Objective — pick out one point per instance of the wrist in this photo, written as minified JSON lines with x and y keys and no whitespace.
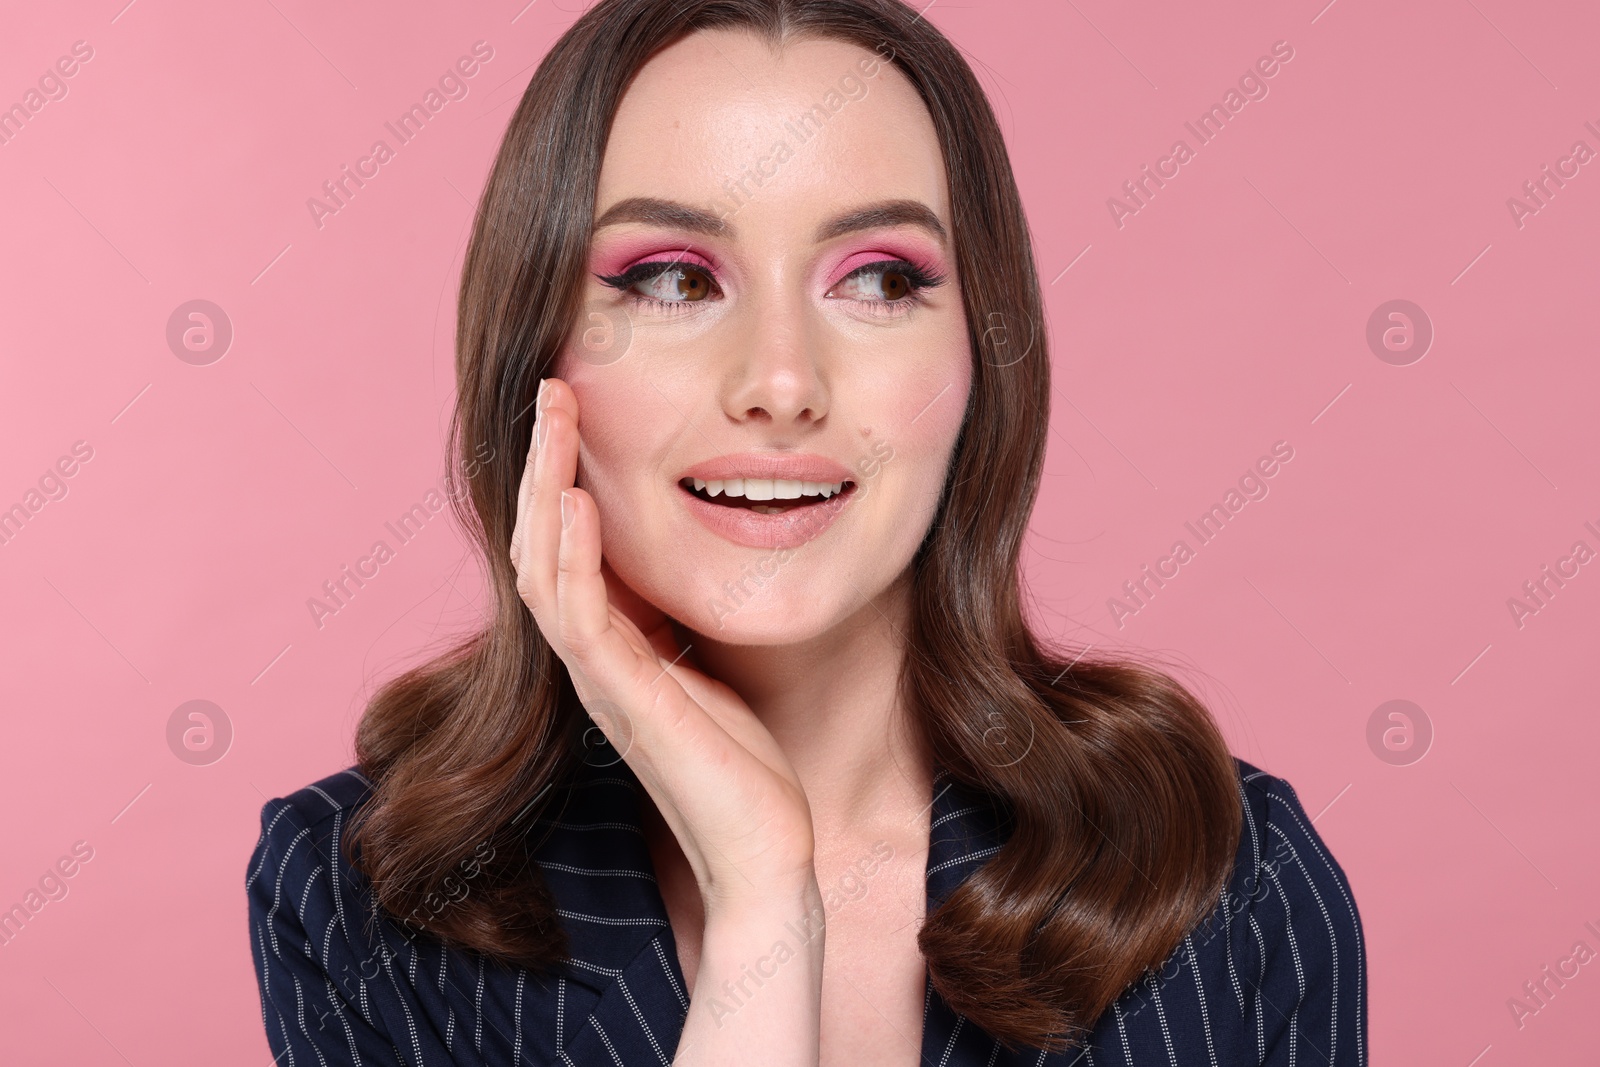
{"x":754,"y":908}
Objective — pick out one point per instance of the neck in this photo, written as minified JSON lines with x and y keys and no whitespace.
{"x":833,"y":705}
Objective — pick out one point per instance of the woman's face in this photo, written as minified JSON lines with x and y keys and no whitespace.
{"x":780,"y":311}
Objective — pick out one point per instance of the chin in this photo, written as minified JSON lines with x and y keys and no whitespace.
{"x":744,"y":607}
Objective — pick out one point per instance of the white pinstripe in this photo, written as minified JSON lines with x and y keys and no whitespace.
{"x":300,"y":1017}
{"x":949,"y":1046}
{"x":307,"y":892}
{"x":561,"y":1014}
{"x":1361,"y":1052}
{"x":1261,"y":952}
{"x":1233,"y":973}
{"x":411,"y":1024}
{"x":1333,"y":943}
{"x":650,"y":1036}
{"x":1200,"y":994}
{"x":1161,"y":1017}
{"x":264,"y":835}
{"x":477,"y":1019}
{"x":266,"y":981}
{"x":331,"y":802}
{"x":661,"y":954}
{"x":450,"y":1012}
{"x":551,"y":865}
{"x":947,"y":816}
{"x":599,"y":826}
{"x":609,"y":972}
{"x":338,"y":890}
{"x":606,"y":1040}
{"x":1127,"y":1052}
{"x":277,"y":891}
{"x":606,"y":921}
{"x":981,"y":854}
{"x":516,"y":1047}
{"x":349,"y":1034}
{"x":1299,"y":971}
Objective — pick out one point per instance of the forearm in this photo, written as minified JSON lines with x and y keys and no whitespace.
{"x":758,"y":989}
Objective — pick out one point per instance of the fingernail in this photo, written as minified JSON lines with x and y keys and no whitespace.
{"x":567,"y":511}
{"x":538,"y":398}
{"x":538,"y":435}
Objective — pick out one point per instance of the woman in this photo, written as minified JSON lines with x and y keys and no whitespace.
{"x":757,"y":760}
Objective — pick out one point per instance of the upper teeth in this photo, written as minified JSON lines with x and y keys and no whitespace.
{"x":768,"y":488}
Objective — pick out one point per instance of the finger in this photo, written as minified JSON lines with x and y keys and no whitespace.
{"x":522,"y":497}
{"x":525,"y":486}
{"x":582,"y":609}
{"x":555,"y":466}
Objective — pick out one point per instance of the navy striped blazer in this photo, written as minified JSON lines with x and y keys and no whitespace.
{"x":1275,"y":975}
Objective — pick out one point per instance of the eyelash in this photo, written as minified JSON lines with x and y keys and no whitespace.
{"x":917,"y":278}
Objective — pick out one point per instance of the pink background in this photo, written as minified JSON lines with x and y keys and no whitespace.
{"x":1229,"y":313}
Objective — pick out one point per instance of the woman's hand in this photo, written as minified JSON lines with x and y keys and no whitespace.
{"x":720,"y":781}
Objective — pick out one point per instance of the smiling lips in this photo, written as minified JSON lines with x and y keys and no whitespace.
{"x":763,"y":500}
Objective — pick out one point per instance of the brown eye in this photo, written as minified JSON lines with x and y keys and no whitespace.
{"x":692,"y":283}
{"x":895,"y":285}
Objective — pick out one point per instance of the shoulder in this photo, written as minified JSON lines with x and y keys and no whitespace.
{"x":282,"y":818}
{"x":288,"y":821}
{"x":1277,"y":965}
{"x":298,"y":870}
{"x":1299,"y":952}
{"x":1280,"y":851}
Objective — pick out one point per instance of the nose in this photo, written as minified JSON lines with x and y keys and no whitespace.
{"x":775,"y":369}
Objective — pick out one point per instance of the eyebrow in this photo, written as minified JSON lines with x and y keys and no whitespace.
{"x":659,"y":212}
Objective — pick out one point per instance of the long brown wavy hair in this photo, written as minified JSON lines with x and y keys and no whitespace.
{"x":1119,"y":791}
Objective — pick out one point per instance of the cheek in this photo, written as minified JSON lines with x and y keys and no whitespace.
{"x":616,"y":427}
{"x":921,"y":419}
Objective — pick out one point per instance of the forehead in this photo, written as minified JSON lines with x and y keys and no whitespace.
{"x":720,"y":120}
